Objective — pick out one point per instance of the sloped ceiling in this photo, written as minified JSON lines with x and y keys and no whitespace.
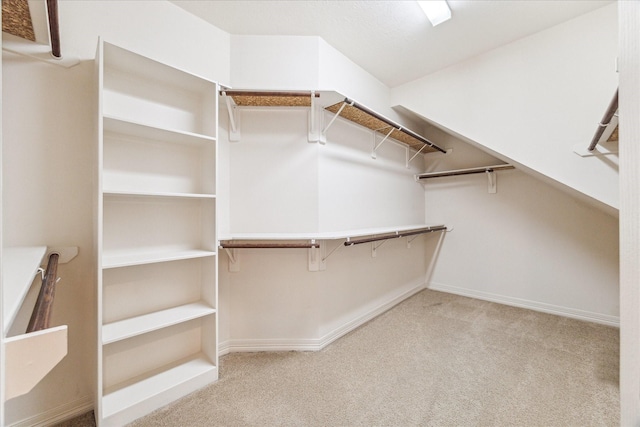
{"x":393,"y":40}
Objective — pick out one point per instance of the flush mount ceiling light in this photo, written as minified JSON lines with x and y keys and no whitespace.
{"x":436,"y":10}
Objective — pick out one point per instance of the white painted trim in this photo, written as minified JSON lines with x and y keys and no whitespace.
{"x":315,"y":344}
{"x":573,"y":313}
{"x":629,"y":105}
{"x":370,"y":315}
{"x":58,"y":414}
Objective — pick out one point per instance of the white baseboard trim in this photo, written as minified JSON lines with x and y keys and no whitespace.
{"x":573,"y":313}
{"x":364,"y":318}
{"x":58,"y":414}
{"x":316,"y":344}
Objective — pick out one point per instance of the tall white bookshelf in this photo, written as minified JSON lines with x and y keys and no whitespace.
{"x":155,"y":234}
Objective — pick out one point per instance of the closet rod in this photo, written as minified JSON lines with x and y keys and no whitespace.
{"x":41,"y":315}
{"x":225,"y":245}
{"x":263,"y":93}
{"x":469,"y":171}
{"x":606,"y":120}
{"x":395,"y":236}
{"x":54,"y":28}
{"x":395,"y":125}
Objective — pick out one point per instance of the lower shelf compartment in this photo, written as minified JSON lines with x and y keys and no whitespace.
{"x":142,"y":324}
{"x":124,"y":403}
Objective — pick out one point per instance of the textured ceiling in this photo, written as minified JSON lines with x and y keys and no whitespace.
{"x":393,"y":40}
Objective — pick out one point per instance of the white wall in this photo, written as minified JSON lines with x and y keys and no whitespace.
{"x":274,"y":173}
{"x":305,"y":63}
{"x":274,"y":62}
{"x":48,"y":163}
{"x":280,"y":183}
{"x":357,"y":191}
{"x":533,"y":100}
{"x":277,"y":182}
{"x":528,"y":245}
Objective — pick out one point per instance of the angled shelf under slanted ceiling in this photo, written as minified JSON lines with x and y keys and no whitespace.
{"x":333,"y":102}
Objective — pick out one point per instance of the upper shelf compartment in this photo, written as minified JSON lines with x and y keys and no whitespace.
{"x":333,"y":102}
{"x":171,"y":100}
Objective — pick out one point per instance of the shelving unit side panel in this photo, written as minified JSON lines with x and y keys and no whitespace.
{"x":97,"y":225}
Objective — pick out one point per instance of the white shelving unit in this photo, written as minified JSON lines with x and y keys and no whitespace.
{"x":156,"y":234}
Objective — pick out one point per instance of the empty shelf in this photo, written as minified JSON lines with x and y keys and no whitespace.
{"x":128,"y":328}
{"x":132,"y":401}
{"x":134,"y":258}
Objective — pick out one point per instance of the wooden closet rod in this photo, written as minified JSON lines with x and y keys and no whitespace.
{"x":225,"y":245}
{"x":469,"y":171}
{"x":393,"y":124}
{"x":41,"y":316}
{"x":395,"y":236}
{"x":54,"y":28}
{"x":606,"y":119}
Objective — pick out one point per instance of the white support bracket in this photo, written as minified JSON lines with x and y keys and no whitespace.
{"x":414,"y":156}
{"x":234,"y":260}
{"x":333,"y":119}
{"x":317,"y":257}
{"x":234,"y":119}
{"x":375,"y":147}
{"x":374,"y":248}
{"x":341,"y":244}
{"x":315,"y":117}
{"x":492,"y":179}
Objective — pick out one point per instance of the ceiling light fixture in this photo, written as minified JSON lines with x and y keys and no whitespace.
{"x":436,"y":10}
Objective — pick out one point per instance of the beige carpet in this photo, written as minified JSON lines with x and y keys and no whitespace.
{"x":434,"y":360}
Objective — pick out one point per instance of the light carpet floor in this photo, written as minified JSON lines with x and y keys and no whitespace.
{"x":434,"y":360}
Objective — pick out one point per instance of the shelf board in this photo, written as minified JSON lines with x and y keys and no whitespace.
{"x":153,"y":391}
{"x":128,"y":328}
{"x":329,"y":235}
{"x":20,"y":265}
{"x":141,"y":130}
{"x":125,"y":193}
{"x":120,"y":259}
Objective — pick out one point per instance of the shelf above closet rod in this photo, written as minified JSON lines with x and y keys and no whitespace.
{"x":255,"y":98}
{"x":482,"y":169}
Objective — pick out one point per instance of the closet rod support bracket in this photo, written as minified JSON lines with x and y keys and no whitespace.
{"x":234,"y":260}
{"x":375,"y":147}
{"x":315,"y":117}
{"x":234,"y":119}
{"x":492,"y":181}
{"x":317,"y":256}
